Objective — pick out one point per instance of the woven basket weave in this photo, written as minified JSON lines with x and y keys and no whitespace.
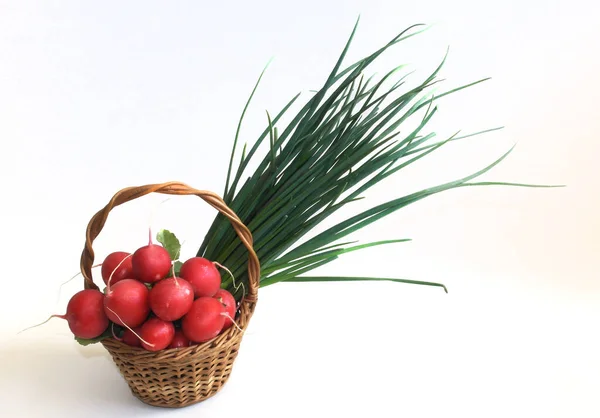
{"x":177,"y":377}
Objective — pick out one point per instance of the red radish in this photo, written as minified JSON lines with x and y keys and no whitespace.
{"x":229,"y":303}
{"x":171,"y":298}
{"x":179,"y":340}
{"x":126,"y":303}
{"x":85,"y":314}
{"x":131,"y":339}
{"x":157,"y":334}
{"x":119,"y":265}
{"x":151,"y":263}
{"x":204,"y":321}
{"x":203,"y":275}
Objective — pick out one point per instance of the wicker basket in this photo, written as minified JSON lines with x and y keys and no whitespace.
{"x":177,"y":377}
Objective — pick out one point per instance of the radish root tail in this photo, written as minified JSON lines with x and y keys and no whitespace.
{"x":236,"y":287}
{"x":113,"y":272}
{"x":127,"y":326}
{"x":71,"y":279}
{"x":178,"y":252}
{"x":226,"y":315}
{"x":42,"y":323}
{"x":174,"y":278}
{"x":151,"y":218}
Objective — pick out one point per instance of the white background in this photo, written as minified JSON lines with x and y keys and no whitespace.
{"x":96,"y":96}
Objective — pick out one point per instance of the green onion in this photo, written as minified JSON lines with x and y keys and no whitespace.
{"x":343,"y":141}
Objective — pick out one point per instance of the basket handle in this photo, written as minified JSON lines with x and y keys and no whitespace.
{"x":171,"y":188}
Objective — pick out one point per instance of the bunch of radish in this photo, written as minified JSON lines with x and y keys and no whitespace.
{"x":147,"y":304}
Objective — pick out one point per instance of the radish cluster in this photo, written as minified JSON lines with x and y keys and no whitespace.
{"x":145,"y":304}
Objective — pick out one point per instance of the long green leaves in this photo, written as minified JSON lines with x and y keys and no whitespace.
{"x":349,"y":136}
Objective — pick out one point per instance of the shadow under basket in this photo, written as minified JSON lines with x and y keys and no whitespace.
{"x":180,"y":377}
{"x":176,"y":378}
